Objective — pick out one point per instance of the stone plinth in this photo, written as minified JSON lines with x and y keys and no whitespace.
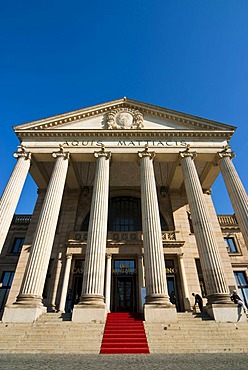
{"x":18,"y":313}
{"x":223,"y":313}
{"x":158,"y":313}
{"x":89,"y":314}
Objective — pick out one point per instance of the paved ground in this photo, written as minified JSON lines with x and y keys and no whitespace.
{"x":124,"y":362}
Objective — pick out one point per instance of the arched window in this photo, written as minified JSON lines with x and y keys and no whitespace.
{"x":124,"y":215}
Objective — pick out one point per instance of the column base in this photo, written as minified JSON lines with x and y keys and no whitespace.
{"x":187,"y":305}
{"x":18,"y":313}
{"x":160,"y":313}
{"x":92,"y":300}
{"x":89,"y":314}
{"x":226,"y":313}
{"x":219,"y":298}
{"x":158,"y":300}
{"x":90,"y":309}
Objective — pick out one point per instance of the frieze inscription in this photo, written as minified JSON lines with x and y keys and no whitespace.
{"x":125,"y":143}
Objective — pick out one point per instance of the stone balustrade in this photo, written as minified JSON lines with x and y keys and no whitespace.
{"x":127,"y":236}
{"x":21,"y":219}
{"x":227,"y":220}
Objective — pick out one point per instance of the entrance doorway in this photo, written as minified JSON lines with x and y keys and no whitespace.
{"x":124,"y":299}
{"x":173,"y":283}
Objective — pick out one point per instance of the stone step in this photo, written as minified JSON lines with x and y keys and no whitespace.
{"x":51,"y":334}
{"x":198,"y":350}
{"x":191,"y":334}
{"x":51,"y":351}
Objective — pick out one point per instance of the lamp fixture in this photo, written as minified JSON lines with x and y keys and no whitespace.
{"x":85,"y":191}
{"x":163,"y":191}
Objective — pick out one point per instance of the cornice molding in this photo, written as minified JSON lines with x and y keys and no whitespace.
{"x":60,"y":120}
{"x":125,"y":134}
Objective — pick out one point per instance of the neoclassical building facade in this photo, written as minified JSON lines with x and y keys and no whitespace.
{"x":124,"y":219}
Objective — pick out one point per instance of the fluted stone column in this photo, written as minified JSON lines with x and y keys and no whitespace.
{"x":91,"y":305}
{"x":235,"y":190}
{"x":29,"y":300}
{"x":155,"y":276}
{"x":65,"y":282}
{"x":185,"y":288}
{"x":217,"y":290}
{"x":108,"y":281}
{"x":12,"y":192}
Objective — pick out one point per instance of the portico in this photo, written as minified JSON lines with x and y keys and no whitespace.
{"x":116,"y":184}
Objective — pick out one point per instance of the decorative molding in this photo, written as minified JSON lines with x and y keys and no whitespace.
{"x":22,"y":153}
{"x":179,"y":134}
{"x":146,"y":153}
{"x":125,"y":238}
{"x":21,"y":219}
{"x":207,"y":191}
{"x":226,"y":152}
{"x":102,"y":153}
{"x":228,"y":222}
{"x":124,"y":119}
{"x":61,"y":153}
{"x":187,"y":153}
{"x":198,"y":123}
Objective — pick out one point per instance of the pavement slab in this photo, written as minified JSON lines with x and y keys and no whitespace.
{"x":206,"y":361}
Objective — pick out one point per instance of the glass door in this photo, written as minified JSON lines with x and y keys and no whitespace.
{"x":124,"y":286}
{"x":125,"y":294}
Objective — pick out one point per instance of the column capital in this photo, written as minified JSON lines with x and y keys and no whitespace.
{"x":186,"y":153}
{"x":108,"y":256}
{"x":69,"y":256}
{"x":225,"y":153}
{"x":102,"y":153}
{"x":21,"y":152}
{"x":61,"y":153}
{"x":207,"y":191}
{"x":146,"y":153}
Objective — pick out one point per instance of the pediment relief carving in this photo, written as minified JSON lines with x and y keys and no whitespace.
{"x":125,"y":115}
{"x":124,"y":118}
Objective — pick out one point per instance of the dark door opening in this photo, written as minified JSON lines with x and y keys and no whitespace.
{"x":125,"y":294}
{"x":124,"y":298}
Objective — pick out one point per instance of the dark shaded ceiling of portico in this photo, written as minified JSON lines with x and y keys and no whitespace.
{"x":123,"y":174}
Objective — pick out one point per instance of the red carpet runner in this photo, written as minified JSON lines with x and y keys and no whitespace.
{"x":124,"y":333}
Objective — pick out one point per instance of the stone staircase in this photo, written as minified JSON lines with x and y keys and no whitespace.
{"x":197,"y":334}
{"x":55,"y":333}
{"x":51,"y":333}
{"x":124,"y":333}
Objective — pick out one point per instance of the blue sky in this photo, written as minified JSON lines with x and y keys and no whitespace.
{"x":186,"y":55}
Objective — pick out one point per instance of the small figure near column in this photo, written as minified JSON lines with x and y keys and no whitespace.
{"x":237,"y":300}
{"x":68,"y":303}
{"x":198,"y":301}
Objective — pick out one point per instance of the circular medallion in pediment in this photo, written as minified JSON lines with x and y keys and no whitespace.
{"x":124,"y":119}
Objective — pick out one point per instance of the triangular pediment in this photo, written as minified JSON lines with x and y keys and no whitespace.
{"x":123,"y":114}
